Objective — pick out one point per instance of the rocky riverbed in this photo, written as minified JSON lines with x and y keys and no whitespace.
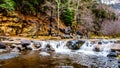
{"x":82,"y":53}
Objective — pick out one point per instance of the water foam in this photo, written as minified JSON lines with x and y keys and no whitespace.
{"x":87,"y":47}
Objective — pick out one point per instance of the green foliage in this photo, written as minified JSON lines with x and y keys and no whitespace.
{"x":64,"y":1}
{"x":8,"y":5}
{"x":103,"y":14}
{"x":28,"y":6}
{"x":67,"y":16}
{"x":86,"y":0}
{"x":100,"y":13}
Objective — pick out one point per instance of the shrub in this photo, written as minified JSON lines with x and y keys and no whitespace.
{"x":8,"y":5}
{"x":67,"y":16}
{"x":28,"y":6}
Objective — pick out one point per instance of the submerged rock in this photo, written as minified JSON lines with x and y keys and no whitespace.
{"x":75,"y":44}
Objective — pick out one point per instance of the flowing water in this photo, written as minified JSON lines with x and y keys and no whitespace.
{"x":116,"y":6}
{"x":63,"y":57}
{"x":109,"y":1}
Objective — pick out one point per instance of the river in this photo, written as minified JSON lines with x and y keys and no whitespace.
{"x":63,"y":56}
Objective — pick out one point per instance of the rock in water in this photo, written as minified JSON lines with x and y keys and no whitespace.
{"x":25,"y":43}
{"x":13,"y":46}
{"x":31,"y":47}
{"x":44,"y":54}
{"x":66,"y":37}
{"x":75,"y":44}
{"x":15,"y":50}
{"x":49,"y":48}
{"x":2,"y":45}
{"x":112,"y":54}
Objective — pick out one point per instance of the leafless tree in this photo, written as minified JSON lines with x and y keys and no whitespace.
{"x":110,"y":27}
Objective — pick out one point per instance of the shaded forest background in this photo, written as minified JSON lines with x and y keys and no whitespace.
{"x":58,"y":17}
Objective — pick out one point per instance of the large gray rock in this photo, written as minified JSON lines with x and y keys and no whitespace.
{"x":2,"y":45}
{"x":25,"y":43}
{"x":75,"y":44}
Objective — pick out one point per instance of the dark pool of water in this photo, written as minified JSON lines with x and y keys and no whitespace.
{"x":32,"y":59}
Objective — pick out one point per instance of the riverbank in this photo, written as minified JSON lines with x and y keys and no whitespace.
{"x":57,"y":38}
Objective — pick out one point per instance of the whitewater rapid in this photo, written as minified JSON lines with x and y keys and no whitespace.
{"x":86,"y":48}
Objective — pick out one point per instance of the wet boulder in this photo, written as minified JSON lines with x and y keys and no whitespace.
{"x":31,"y":47}
{"x":49,"y":48}
{"x":2,"y":45}
{"x":25,"y":43}
{"x":13,"y":46}
{"x":99,"y":42}
{"x":37,"y":44}
{"x":96,"y":49}
{"x":112,"y":54}
{"x":75,"y":44}
{"x":16,"y":49}
{"x":20,"y":47}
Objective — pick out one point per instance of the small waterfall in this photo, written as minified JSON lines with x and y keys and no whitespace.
{"x":103,"y":48}
{"x":58,"y":46}
{"x":88,"y":47}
